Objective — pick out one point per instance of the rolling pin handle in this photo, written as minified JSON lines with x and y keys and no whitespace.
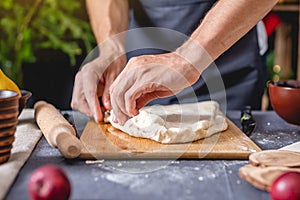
{"x":57,"y":130}
{"x":68,"y":145}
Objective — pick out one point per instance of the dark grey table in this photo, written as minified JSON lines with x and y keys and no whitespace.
{"x":158,"y":179}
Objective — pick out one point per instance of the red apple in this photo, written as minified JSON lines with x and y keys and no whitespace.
{"x":286,"y":187}
{"x":49,"y":182}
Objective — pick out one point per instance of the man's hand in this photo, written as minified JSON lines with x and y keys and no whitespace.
{"x":149,"y":77}
{"x":109,"y":19}
{"x":93,"y":81}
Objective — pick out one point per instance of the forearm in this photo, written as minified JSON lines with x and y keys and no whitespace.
{"x":108,"y":18}
{"x":224,"y":25}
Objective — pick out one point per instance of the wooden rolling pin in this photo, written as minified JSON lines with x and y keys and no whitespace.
{"x":57,"y":130}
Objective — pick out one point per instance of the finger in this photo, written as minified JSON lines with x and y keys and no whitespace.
{"x":130,"y":100}
{"x":117,"y":101}
{"x":76,"y":90}
{"x":110,"y":76}
{"x":78,"y":100}
{"x":137,"y":97}
{"x":103,"y":97}
{"x":119,"y":116}
{"x":100,"y":89}
{"x":106,"y":95}
{"x":90,"y":92}
{"x":146,"y":98}
{"x":84,"y":108}
{"x":106,"y":99}
{"x":81,"y":105}
{"x":133,"y":94}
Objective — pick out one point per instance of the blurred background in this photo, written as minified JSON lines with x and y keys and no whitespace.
{"x":44,"y":42}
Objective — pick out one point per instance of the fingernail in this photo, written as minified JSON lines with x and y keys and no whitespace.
{"x":134,"y":113}
{"x":96,"y":119}
{"x":114,"y":119}
{"x":107,"y":104}
{"x":123,"y":120}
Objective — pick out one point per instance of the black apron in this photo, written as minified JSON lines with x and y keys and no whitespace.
{"x":240,"y":70}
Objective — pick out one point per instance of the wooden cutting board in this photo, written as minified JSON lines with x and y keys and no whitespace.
{"x":102,"y":141}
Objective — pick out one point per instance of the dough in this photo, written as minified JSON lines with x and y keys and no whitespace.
{"x":275,"y":158}
{"x":292,"y":147}
{"x":263,"y":177}
{"x":179,"y":123}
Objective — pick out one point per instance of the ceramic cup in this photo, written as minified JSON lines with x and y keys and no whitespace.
{"x":9,"y":111}
{"x":285,"y":100}
{"x":23,"y":100}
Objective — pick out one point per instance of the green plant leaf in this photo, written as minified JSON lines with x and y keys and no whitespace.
{"x":28,"y":26}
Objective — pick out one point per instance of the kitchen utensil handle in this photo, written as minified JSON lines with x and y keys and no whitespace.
{"x":57,"y":130}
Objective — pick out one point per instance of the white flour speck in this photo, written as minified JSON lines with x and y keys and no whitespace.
{"x":119,"y":164}
{"x":94,"y":161}
{"x":175,"y":162}
{"x":244,"y":149}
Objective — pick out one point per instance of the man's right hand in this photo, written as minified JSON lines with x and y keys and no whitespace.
{"x":93,"y":81}
{"x":109,"y":19}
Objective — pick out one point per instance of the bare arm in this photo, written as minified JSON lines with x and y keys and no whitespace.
{"x":108,"y":19}
{"x":225,"y":24}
